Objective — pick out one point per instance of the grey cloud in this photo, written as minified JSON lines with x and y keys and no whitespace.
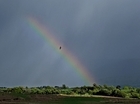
{"x":103,"y":35}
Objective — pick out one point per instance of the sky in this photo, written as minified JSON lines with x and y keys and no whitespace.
{"x":102,"y":35}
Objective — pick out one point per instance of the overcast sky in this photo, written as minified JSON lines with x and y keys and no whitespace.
{"x":104,"y":35}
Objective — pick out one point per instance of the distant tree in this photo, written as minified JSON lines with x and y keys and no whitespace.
{"x":89,"y":88}
{"x":125,"y":92}
{"x":48,"y":87}
{"x":57,"y":87}
{"x":90,"y":92}
{"x":17,"y":90}
{"x":95,"y":91}
{"x":138,"y":90}
{"x":33,"y":90}
{"x":104,"y":91}
{"x":118,"y":87}
{"x":64,"y":86}
{"x":119,"y":93}
{"x":94,"y":85}
{"x":135,"y":95}
{"x":105,"y":86}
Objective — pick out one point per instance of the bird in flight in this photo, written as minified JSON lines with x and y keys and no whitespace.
{"x":60,"y":47}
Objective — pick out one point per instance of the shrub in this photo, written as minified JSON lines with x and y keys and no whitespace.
{"x":105,"y":92}
{"x":135,"y":95}
{"x":95,"y":91}
{"x":119,"y":93}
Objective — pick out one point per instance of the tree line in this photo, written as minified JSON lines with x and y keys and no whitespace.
{"x":116,"y":91}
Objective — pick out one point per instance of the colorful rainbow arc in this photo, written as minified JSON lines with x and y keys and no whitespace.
{"x":71,"y":59}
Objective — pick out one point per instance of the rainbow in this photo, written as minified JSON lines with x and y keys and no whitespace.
{"x":41,"y":30}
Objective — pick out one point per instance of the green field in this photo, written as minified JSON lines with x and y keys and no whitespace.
{"x":61,"y":99}
{"x":94,"y":100}
{"x":78,"y":100}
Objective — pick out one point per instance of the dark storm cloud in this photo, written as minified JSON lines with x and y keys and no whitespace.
{"x":103,"y":35}
{"x":8,"y":10}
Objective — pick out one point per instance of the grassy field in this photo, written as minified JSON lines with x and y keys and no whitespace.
{"x":94,"y":100}
{"x":61,"y":99}
{"x":78,"y":100}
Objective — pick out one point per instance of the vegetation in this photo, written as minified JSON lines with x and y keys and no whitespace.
{"x":124,"y":92}
{"x":79,"y":100}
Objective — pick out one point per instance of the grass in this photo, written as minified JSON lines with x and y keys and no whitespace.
{"x":93,"y":100}
{"x":62,"y":99}
{"x":78,"y":100}
{"x":24,"y":96}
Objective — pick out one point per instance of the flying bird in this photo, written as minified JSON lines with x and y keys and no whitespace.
{"x":60,"y":47}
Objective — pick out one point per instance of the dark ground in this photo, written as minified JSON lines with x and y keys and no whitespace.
{"x":59,"y":99}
